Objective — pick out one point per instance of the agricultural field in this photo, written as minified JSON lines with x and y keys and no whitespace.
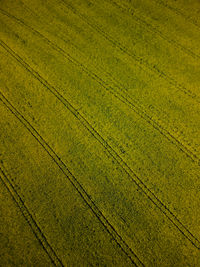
{"x":99,"y":133}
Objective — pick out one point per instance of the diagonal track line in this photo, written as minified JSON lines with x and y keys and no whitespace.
{"x":75,"y":183}
{"x":125,"y":98}
{"x":148,"y":193}
{"x":140,"y":61}
{"x":148,"y":26}
{"x":177,"y":12}
{"x":29,"y":218}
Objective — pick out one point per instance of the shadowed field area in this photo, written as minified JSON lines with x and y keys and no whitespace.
{"x":99,"y":133}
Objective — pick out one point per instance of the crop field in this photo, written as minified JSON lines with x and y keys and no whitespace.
{"x":99,"y":133}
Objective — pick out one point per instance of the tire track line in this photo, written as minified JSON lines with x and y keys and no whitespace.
{"x":132,"y":12}
{"x":177,"y":12}
{"x":164,"y":127}
{"x":126,"y":99}
{"x":75,"y":183}
{"x":133,"y":177}
{"x":28,"y":217}
{"x":140,"y":61}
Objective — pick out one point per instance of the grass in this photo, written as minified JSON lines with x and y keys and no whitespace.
{"x":100,"y":133}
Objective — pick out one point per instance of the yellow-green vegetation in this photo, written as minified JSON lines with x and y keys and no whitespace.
{"x":99,"y":133}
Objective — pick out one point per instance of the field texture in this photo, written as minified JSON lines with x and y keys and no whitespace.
{"x":99,"y":133}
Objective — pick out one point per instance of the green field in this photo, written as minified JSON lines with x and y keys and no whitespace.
{"x":99,"y":133}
